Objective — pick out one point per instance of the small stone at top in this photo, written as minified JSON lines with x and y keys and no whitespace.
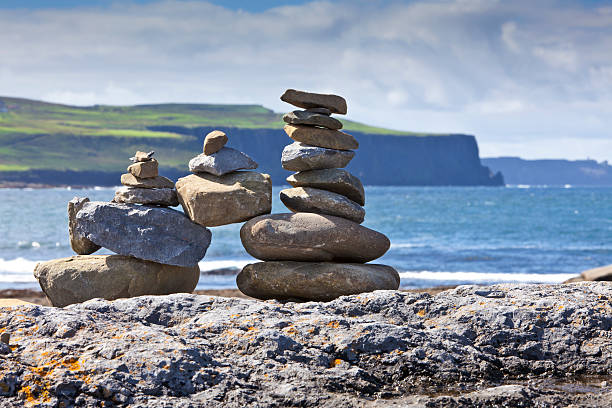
{"x":142,"y":156}
{"x":214,"y":141}
{"x":307,"y":100}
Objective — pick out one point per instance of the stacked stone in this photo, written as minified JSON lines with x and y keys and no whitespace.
{"x":218,"y":193}
{"x":143,"y":184}
{"x":158,"y":248}
{"x":319,"y":251}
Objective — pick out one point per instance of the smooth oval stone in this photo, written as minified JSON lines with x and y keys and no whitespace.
{"x":314,"y":136}
{"x":80,"y":278}
{"x":307,"y":100}
{"x":144,"y":169}
{"x":301,"y":157}
{"x":337,"y":180}
{"x":314,"y":281}
{"x":214,"y":141}
{"x":130,"y":180}
{"x":147,"y":196}
{"x":308,"y":199}
{"x":312,"y":119}
{"x":312,"y":238}
{"x":78,"y":242}
{"x":224,"y":161}
{"x":212,"y":201}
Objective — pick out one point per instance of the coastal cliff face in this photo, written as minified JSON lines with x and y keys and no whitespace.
{"x":382,"y":159}
{"x":503,"y":345}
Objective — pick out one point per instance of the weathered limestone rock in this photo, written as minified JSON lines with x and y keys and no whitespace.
{"x":332,"y":139}
{"x":314,"y":200}
{"x":312,"y":119}
{"x":152,"y":233}
{"x":79,"y":278}
{"x":211,"y":201}
{"x":79,"y":243}
{"x":603,"y":273}
{"x":306,"y":100}
{"x":224,"y":161}
{"x":148,"y":196}
{"x":301,"y":157}
{"x":214,"y":141}
{"x":144,"y":169}
{"x":311,"y":237}
{"x":337,"y":180}
{"x":130,"y":180}
{"x":318,"y":281}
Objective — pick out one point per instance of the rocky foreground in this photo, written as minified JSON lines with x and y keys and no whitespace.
{"x":503,"y":345}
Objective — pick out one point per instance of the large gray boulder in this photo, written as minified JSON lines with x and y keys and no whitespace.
{"x":308,"y":199}
{"x":319,"y":281}
{"x":498,"y":346}
{"x":312,"y":119}
{"x":300,"y":157}
{"x":151,"y":196}
{"x":79,"y":278}
{"x":307,"y":100}
{"x":78,"y":242}
{"x":337,"y":180}
{"x":312,"y":238}
{"x":152,"y":233}
{"x":224,"y":161}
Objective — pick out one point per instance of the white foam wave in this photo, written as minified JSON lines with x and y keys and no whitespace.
{"x":222,"y":264}
{"x":480,"y":277}
{"x":17,"y":270}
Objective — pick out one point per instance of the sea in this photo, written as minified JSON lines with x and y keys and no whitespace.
{"x":439,"y":235}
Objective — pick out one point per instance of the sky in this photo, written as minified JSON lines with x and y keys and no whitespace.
{"x":527,"y":78}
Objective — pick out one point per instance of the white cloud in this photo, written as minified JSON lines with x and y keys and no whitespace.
{"x":519,"y":75}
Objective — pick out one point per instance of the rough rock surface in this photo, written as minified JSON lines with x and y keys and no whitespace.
{"x":321,"y":281}
{"x":155,"y":234}
{"x":337,"y":180}
{"x":312,"y":119}
{"x":603,"y":273}
{"x":306,"y":100}
{"x":224,"y":161}
{"x":79,"y":278}
{"x":308,"y":199}
{"x":130,"y":180}
{"x":312,"y":238}
{"x":214,"y":141}
{"x":300,"y":157}
{"x":331,"y":139}
{"x":503,"y":345}
{"x":144,"y":169}
{"x":79,"y":243}
{"x":152,"y":196}
{"x":212,"y":201}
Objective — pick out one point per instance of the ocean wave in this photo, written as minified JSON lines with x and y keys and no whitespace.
{"x":17,"y":270}
{"x":481,"y":277}
{"x":223,"y":263}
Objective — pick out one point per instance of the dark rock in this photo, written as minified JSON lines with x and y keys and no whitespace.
{"x":314,"y":200}
{"x":336,"y":180}
{"x":307,"y":100}
{"x":311,"y":237}
{"x":80,"y":278}
{"x":312,"y":119}
{"x":224,"y":161}
{"x":300,"y":157}
{"x":79,"y":243}
{"x":314,"y":136}
{"x":319,"y":281}
{"x":149,"y":196}
{"x":151,"y":233}
{"x":130,"y":180}
{"x":321,"y":111}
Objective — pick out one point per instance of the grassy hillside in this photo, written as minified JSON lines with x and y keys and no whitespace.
{"x":40,"y":135}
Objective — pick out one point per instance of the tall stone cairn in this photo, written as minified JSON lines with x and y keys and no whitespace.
{"x":319,"y":251}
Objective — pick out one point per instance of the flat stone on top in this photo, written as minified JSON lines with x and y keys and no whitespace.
{"x":306,"y":100}
{"x":314,"y":136}
{"x":222,"y":162}
{"x":312,"y":119}
{"x":300,"y":157}
{"x":214,"y":141}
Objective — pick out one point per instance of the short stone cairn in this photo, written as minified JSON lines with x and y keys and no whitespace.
{"x":158,"y":248}
{"x":318,"y":252}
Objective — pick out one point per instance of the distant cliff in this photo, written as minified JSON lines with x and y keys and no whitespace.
{"x":552,"y":172}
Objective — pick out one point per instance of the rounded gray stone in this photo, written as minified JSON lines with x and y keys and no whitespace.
{"x":308,"y":199}
{"x":336,"y":180}
{"x":147,"y":196}
{"x":226,"y":160}
{"x":302,"y":157}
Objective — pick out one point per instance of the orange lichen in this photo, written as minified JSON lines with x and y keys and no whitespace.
{"x":421,"y":313}
{"x":333,"y":324}
{"x":335,"y":363}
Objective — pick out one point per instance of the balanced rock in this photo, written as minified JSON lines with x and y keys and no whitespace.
{"x":308,"y":199}
{"x":332,"y":139}
{"x":300,"y":157}
{"x":312,"y":119}
{"x":235,"y":197}
{"x":79,"y":278}
{"x":130,"y":180}
{"x":152,"y":233}
{"x":317,"y":281}
{"x":337,"y":180}
{"x":79,"y":243}
{"x":142,"y":156}
{"x":312,"y":238}
{"x":147,"y":196}
{"x":301,"y":99}
{"x":214,"y":141}
{"x":144,"y":169}
{"x":321,"y":111}
{"x":224,"y":161}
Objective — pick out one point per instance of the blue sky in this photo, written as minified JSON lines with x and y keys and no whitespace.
{"x":528,"y":78}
